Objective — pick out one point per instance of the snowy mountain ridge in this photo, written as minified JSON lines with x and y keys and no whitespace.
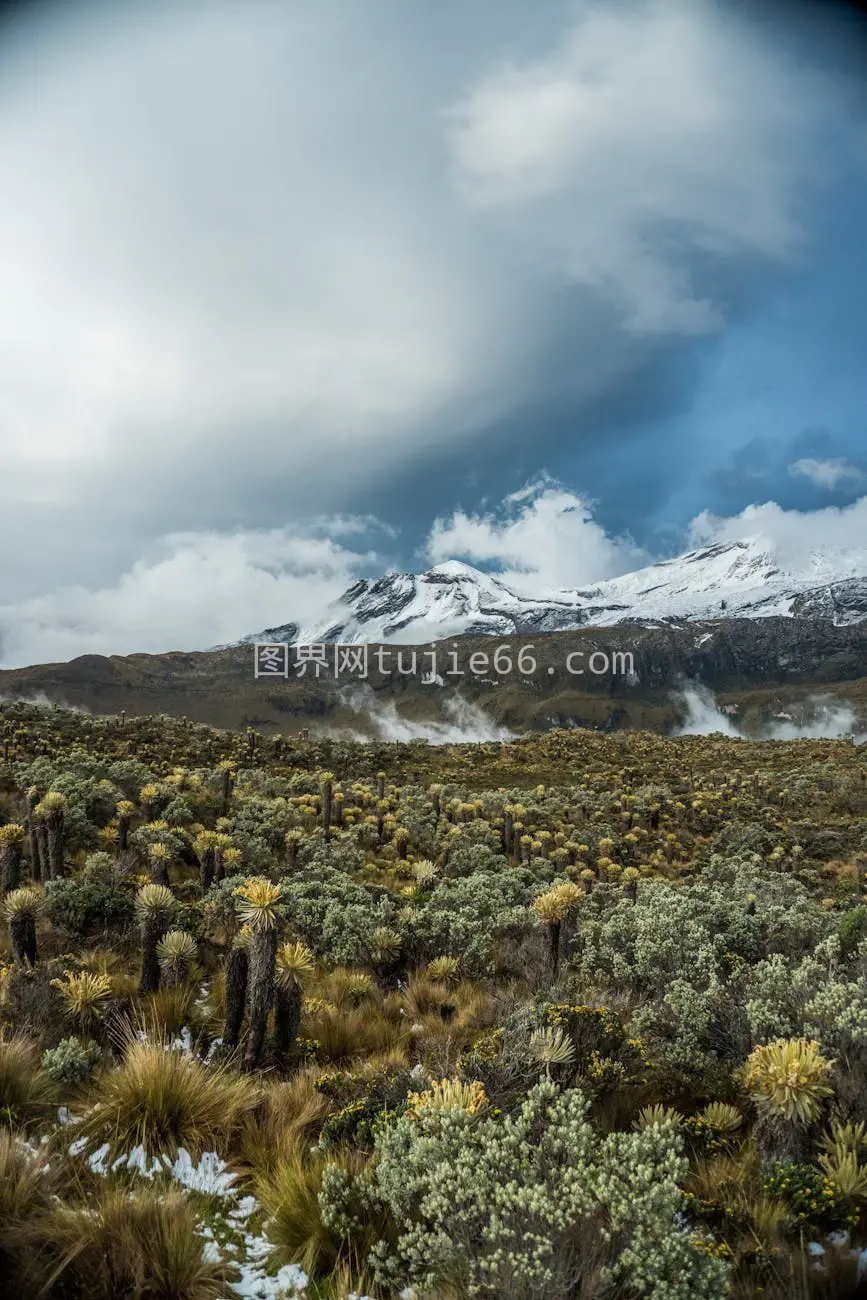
{"x":740,"y":579}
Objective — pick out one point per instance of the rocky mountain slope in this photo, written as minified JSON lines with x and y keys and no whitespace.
{"x":756,"y":667}
{"x":736,"y":579}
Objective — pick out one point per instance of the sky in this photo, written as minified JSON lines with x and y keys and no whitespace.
{"x":292,"y":293}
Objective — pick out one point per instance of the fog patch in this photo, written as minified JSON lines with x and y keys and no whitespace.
{"x":463,"y":721}
{"x":703,"y":717}
{"x":39,"y":700}
{"x":826,"y":719}
{"x":831,"y":720}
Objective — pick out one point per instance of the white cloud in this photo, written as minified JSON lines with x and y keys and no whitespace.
{"x":199,"y":590}
{"x":820,"y":718}
{"x":542,"y":536}
{"x":827,"y":719}
{"x":702,"y":715}
{"x":460,"y":721}
{"x":231,"y":255}
{"x":218,"y":242}
{"x":827,"y":473}
{"x":834,"y":538}
{"x":546,"y":536}
{"x":256,"y":258}
{"x":195,"y":590}
{"x":652,"y":132}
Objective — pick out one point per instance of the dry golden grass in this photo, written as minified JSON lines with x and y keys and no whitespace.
{"x":288,"y":1194}
{"x":27,"y":1095}
{"x":163,"y":1099}
{"x":25,"y":1186}
{"x":347,"y":988}
{"x":422,"y":997}
{"x":288,"y":1116}
{"x":344,"y":1035}
{"x":289,"y":1197}
{"x":145,"y":1244}
{"x":167,"y":1011}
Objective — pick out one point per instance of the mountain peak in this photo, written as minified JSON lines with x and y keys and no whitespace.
{"x":743,"y":577}
{"x":453,"y":569}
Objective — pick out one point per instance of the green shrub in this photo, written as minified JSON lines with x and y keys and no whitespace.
{"x":334,"y":915}
{"x":852,"y":929}
{"x":532,"y":1204}
{"x":466,"y":917}
{"x":85,"y":907}
{"x":811,"y":1198}
{"x":71,"y":1061}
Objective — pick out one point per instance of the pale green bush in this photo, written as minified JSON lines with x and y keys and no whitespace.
{"x":531,"y":1205}
{"x":465,"y":917}
{"x":71,"y":1061}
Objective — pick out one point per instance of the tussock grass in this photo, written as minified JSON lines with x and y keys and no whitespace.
{"x":347,"y":989}
{"x":168,"y":1010}
{"x":27,"y":1094}
{"x":421,"y":997}
{"x":26,"y":1187}
{"x":343,"y":1035}
{"x":289,"y":1196}
{"x":288,"y":1116}
{"x":144,"y":1245}
{"x":347,"y":1281}
{"x":162,"y":1100}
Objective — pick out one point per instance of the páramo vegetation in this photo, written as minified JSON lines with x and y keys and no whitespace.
{"x":574,"y":1016}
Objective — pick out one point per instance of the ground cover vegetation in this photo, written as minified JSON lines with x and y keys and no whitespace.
{"x":573,"y":1015}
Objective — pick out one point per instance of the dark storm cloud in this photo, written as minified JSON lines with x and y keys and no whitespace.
{"x":261,"y":263}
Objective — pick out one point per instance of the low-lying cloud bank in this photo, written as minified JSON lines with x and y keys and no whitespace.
{"x":196,"y":590}
{"x":463,"y":722}
{"x":828,"y":719}
{"x":40,"y":700}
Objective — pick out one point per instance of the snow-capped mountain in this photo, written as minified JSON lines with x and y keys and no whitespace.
{"x":734,"y":579}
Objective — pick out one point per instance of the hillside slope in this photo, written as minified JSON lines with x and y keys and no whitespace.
{"x":761,"y":664}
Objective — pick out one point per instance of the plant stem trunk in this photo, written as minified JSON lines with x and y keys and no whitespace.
{"x":22,"y":932}
{"x":10,"y":868}
{"x":151,"y":933}
{"x":263,"y":954}
{"x":287,"y":1018}
{"x":236,"y":995}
